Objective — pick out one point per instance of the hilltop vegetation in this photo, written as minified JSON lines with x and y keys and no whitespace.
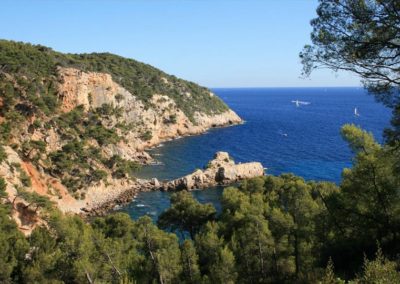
{"x":37,"y":63}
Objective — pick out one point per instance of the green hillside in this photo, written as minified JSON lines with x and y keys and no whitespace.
{"x":36,"y":63}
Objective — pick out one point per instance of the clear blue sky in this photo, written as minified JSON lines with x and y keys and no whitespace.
{"x":217,"y":43}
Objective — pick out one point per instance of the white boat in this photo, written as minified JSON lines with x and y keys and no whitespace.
{"x":356,"y":112}
{"x":298,"y":103}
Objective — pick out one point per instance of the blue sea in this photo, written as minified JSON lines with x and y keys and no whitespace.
{"x":304,"y":140}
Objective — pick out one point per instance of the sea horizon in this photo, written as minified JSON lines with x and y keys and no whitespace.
{"x":291,"y":87}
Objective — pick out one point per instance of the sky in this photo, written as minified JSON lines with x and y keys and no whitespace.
{"x":216,"y":43}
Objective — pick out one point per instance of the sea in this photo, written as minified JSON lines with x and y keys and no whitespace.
{"x":288,"y":130}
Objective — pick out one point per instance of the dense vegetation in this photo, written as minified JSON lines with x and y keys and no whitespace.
{"x":77,"y":162}
{"x":38,"y":65}
{"x":270,"y":230}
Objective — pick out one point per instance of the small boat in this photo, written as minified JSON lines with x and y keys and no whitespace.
{"x":298,"y":103}
{"x":282,"y":133}
{"x":356,"y":112}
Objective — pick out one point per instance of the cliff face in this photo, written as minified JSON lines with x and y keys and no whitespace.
{"x":161,"y":118}
{"x":74,"y":127}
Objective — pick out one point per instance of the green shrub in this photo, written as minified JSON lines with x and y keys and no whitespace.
{"x":5,"y":131}
{"x":3,"y":154}
{"x":38,"y":145}
{"x":25,"y":179}
{"x":36,"y":200}
{"x":3,"y":187}
{"x":119,"y":98}
{"x":29,"y":146}
{"x":72,"y":184}
{"x":102,"y":135}
{"x":105,"y":110}
{"x":121,"y":167}
{"x":171,"y":119}
{"x":37,"y":123}
{"x":146,"y":136}
{"x":98,"y":175}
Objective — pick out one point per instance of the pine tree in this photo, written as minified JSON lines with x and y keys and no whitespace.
{"x":223,"y":270}
{"x":329,"y":277}
{"x":186,"y":214}
{"x":380,"y":270}
{"x":162,"y":261}
{"x":190,"y":259}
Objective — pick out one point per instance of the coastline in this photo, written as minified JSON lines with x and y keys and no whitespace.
{"x":220,"y":171}
{"x":98,"y":204}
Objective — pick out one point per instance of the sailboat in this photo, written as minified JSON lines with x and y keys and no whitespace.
{"x":356,"y":112}
{"x":298,"y":103}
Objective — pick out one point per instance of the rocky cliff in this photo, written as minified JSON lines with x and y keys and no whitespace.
{"x":162,"y":119}
{"x":75,"y":127}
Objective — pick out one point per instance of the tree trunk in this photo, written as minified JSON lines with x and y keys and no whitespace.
{"x":275,"y":262}
{"x":189,"y":263}
{"x":296,"y":249}
{"x":153,"y":258}
{"x":260,"y":252}
{"x":296,"y":254}
{"x":89,"y":279}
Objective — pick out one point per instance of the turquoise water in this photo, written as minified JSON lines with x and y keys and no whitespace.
{"x":304,"y":140}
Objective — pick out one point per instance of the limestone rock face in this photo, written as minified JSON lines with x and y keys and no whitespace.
{"x":219,"y":171}
{"x":93,"y":89}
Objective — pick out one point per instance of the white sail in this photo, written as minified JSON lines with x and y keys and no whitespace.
{"x":298,"y":103}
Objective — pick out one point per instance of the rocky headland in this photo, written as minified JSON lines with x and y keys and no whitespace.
{"x":75,"y":127}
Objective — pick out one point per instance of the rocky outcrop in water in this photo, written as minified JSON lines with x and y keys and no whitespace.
{"x":221,"y":170}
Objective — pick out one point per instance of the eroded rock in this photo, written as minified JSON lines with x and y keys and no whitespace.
{"x":221,"y":170}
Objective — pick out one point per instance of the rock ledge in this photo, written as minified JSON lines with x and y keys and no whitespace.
{"x":221,"y":170}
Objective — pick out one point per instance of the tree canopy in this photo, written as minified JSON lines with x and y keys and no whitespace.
{"x":186,"y":214}
{"x":362,"y":37}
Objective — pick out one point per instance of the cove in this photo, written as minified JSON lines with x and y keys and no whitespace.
{"x":284,"y":137}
